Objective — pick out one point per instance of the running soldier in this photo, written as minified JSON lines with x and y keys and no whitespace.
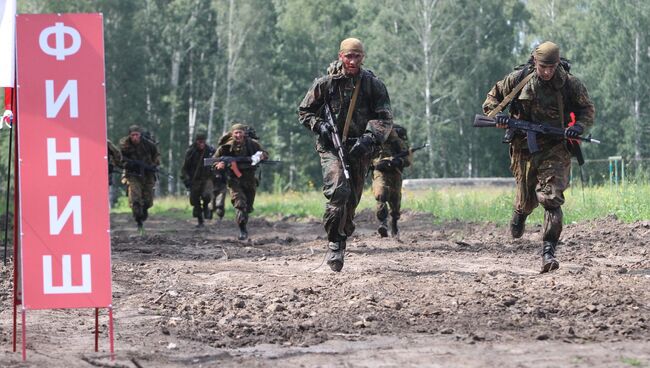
{"x":240,"y":175}
{"x":198,"y":179}
{"x":547,"y":94}
{"x":387,"y":179}
{"x":141,"y":160}
{"x":360,"y":107}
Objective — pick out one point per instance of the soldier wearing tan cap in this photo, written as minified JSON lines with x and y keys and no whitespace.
{"x":362,"y":114}
{"x":547,"y":94}
{"x":240,"y":178}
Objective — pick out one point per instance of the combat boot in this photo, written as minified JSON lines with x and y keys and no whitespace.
{"x":200,"y":224}
{"x":517,"y":224}
{"x":549,"y":263}
{"x":243,"y":233}
{"x":207,"y":214}
{"x":394,"y":230}
{"x":336,"y":255}
{"x":140,"y":226}
{"x":220,"y":212}
{"x":383,"y":228}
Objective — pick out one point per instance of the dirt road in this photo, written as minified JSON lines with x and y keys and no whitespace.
{"x":452,"y":295}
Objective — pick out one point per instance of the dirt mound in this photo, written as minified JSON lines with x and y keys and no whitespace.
{"x":180,"y":292}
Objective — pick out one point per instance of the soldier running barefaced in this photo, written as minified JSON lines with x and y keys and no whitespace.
{"x":198,"y":179}
{"x":548,"y":96}
{"x":243,"y":187}
{"x":360,"y":107}
{"x":387,"y":179}
{"x":140,"y":161}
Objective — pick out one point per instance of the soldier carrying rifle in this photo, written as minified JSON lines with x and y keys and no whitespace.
{"x":243,"y":183}
{"x":141,"y":159}
{"x":394,"y":156}
{"x":349,"y":110}
{"x":543,"y":92}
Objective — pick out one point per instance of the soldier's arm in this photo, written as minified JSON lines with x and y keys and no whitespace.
{"x":581,"y":104}
{"x":381,"y":122}
{"x":185,"y":170}
{"x":258,"y":147}
{"x":114,"y":154}
{"x":310,"y":107}
{"x":125,"y":149}
{"x":500,"y":90}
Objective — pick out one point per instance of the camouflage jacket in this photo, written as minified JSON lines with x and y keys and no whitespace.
{"x":539,"y":100}
{"x":145,"y":151}
{"x":193,"y":169}
{"x":372,"y":106}
{"x":396,"y":143}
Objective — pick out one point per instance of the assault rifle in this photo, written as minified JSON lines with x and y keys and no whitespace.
{"x":533,"y":129}
{"x":232,"y":161}
{"x":405,"y":153}
{"x":140,"y":168}
{"x":387,"y":160}
{"x":337,"y":141}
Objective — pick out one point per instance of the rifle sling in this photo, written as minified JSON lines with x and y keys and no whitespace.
{"x":353,"y":103}
{"x":510,"y":96}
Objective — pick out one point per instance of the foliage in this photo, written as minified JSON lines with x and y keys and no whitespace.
{"x":176,"y":66}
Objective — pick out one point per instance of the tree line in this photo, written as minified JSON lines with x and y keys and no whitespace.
{"x":179,"y":66}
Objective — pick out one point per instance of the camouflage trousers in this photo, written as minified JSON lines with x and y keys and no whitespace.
{"x":387,"y":189}
{"x":343,"y":195}
{"x":219,"y":198}
{"x":201,"y":194}
{"x":140,"y":190}
{"x":541,"y":179}
{"x":242,"y":195}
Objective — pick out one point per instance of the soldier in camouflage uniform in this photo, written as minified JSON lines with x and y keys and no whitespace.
{"x":548,"y":98}
{"x":371,"y":122}
{"x":198,"y":178}
{"x":243,"y":188}
{"x":141,"y":158}
{"x":387,"y":179}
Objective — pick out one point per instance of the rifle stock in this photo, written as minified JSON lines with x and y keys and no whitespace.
{"x":405,"y":153}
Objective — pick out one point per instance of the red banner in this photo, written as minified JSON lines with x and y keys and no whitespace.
{"x":63,"y":170}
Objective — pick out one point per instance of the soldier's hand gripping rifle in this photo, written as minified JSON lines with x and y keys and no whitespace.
{"x":533,"y":129}
{"x":140,"y":168}
{"x":336,"y":140}
{"x":232,"y":161}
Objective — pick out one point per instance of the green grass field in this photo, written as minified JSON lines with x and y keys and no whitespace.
{"x":628,"y":203}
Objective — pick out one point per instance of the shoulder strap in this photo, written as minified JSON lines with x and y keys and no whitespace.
{"x":510,"y":96}
{"x":353,"y":102}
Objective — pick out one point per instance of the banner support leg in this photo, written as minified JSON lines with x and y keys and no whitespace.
{"x":15,"y":323}
{"x":24,"y":329}
{"x":96,"y":330}
{"x":110,"y":331}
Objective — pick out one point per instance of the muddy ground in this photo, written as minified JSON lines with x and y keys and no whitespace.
{"x":446,"y":295}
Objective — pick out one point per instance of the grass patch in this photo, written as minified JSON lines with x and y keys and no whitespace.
{"x":479,"y":204}
{"x":633,"y":362}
